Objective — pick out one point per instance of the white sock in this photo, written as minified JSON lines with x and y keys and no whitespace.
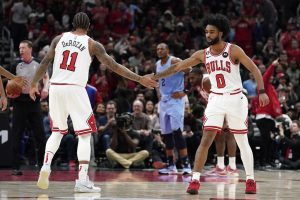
{"x":52,"y":146}
{"x":196,"y":176}
{"x":220,"y":162}
{"x":47,"y":161}
{"x":232,"y":163}
{"x":83,"y":170}
{"x":246,"y":154}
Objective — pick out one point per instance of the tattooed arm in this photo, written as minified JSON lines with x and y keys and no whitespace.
{"x":195,"y":59}
{"x":6,"y":73}
{"x":98,"y":50}
{"x":40,"y":73}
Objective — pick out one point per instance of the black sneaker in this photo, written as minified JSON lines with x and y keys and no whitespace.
{"x":17,"y":172}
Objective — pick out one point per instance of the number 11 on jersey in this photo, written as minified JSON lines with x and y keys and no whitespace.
{"x":66,"y":55}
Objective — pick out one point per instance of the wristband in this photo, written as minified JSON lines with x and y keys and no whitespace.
{"x":261,"y":91}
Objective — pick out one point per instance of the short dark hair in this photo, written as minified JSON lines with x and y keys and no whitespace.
{"x":29,"y":43}
{"x":81,"y":20}
{"x":196,"y":70}
{"x":218,"y":20}
{"x":111,"y":102}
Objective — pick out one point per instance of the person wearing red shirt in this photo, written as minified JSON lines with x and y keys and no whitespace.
{"x":265,"y":116}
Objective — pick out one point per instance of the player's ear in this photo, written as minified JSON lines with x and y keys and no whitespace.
{"x":221,"y":34}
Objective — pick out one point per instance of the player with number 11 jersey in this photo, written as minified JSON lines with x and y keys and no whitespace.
{"x":72,"y":60}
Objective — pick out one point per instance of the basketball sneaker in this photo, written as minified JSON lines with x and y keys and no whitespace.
{"x":250,"y":186}
{"x":232,"y":172}
{"x":194,"y":187}
{"x":86,"y":186}
{"x":216,"y":171}
{"x":171,"y":169}
{"x":43,"y":181}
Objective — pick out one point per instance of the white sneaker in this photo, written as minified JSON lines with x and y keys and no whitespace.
{"x":43,"y":181}
{"x":86,"y":186}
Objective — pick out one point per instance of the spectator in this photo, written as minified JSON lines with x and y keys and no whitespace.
{"x":152,"y":115}
{"x":250,"y":86}
{"x":120,"y":19}
{"x":142,"y":125}
{"x":291,"y":155}
{"x":20,"y":13}
{"x":105,"y":126}
{"x":124,"y":142}
{"x":265,"y":118}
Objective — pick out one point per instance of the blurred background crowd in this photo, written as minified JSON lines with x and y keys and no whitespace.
{"x":130,"y":30}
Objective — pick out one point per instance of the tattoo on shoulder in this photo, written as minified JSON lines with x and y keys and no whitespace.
{"x":98,"y":49}
{"x":55,"y":41}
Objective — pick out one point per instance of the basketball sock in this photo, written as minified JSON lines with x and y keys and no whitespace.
{"x":170,"y":160}
{"x":246,"y":154}
{"x":185,"y":162}
{"x":83,"y":170}
{"x":84,"y":147}
{"x":196,"y":176}
{"x":220,"y":162}
{"x":232,"y":163}
{"x":52,"y":146}
{"x":47,"y":161}
{"x":84,"y":154}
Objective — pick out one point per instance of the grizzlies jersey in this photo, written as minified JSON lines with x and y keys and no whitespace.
{"x":72,"y":60}
{"x":224,"y":74}
{"x":170,"y":84}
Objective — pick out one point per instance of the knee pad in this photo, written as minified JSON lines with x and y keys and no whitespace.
{"x":180,"y":142}
{"x":169,"y":141}
{"x":84,"y":147}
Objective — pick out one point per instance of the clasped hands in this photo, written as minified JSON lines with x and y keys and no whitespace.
{"x":148,"y":81}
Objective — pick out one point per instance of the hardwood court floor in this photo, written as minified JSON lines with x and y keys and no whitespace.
{"x":141,"y":185}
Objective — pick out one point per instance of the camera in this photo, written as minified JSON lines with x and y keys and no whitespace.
{"x":124,"y":120}
{"x":156,"y":131}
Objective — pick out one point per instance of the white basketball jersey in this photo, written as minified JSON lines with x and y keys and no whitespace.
{"x":224,"y":75}
{"x":72,"y":60}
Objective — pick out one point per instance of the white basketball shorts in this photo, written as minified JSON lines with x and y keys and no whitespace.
{"x":73,"y":100}
{"x":233,"y":107}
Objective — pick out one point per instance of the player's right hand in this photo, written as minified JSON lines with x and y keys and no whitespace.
{"x":148,"y":82}
{"x":263,"y":100}
{"x":33,"y":91}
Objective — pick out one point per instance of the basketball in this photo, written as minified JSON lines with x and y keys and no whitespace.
{"x":13,"y":88}
{"x":206,"y":84}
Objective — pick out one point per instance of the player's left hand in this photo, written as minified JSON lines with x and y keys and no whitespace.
{"x":33,"y":91}
{"x":3,"y":103}
{"x":263,"y":100}
{"x":148,"y":82}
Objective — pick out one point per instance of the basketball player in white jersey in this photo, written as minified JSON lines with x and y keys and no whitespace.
{"x":72,"y":53}
{"x":222,"y":61}
{"x":201,"y":83}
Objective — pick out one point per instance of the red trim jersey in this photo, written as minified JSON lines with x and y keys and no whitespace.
{"x":224,"y":74}
{"x":72,"y":60}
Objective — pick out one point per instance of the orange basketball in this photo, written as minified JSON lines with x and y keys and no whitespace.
{"x":13,"y":88}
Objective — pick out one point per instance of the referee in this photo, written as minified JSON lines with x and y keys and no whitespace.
{"x":25,"y":109}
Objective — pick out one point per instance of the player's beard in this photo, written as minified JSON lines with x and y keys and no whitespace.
{"x":214,"y":41}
